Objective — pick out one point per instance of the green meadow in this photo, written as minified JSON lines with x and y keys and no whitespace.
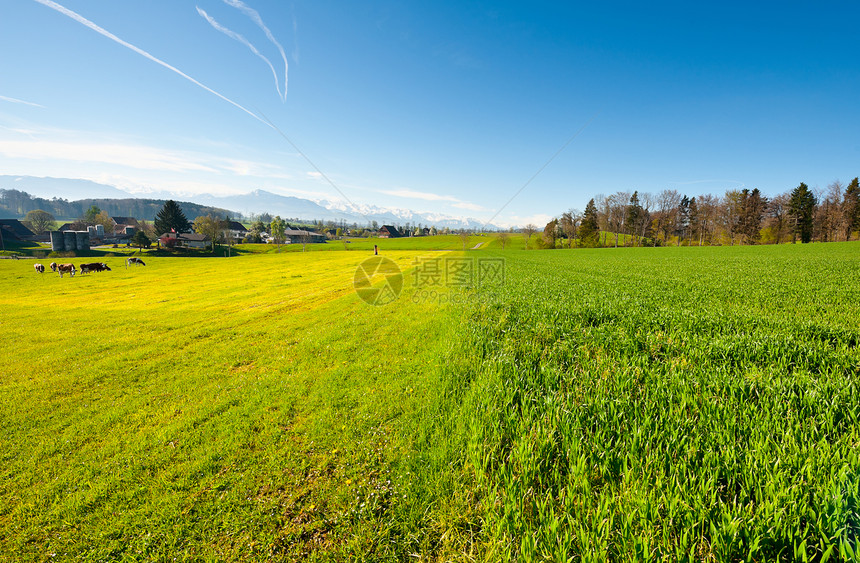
{"x":429,"y":243}
{"x":603,"y":404}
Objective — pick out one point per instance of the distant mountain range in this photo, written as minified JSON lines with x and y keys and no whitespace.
{"x":255,"y":202}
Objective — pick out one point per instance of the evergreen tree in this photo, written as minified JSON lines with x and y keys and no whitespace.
{"x":634,"y":216}
{"x":91,"y":214}
{"x":695,"y":220}
{"x":171,"y":218}
{"x":683,"y":219}
{"x":140,"y":240}
{"x":802,"y":211}
{"x":589,"y":231}
{"x":851,"y":208}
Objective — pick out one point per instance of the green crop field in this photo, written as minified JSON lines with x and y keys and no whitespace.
{"x":436,"y":242}
{"x":606,"y":404}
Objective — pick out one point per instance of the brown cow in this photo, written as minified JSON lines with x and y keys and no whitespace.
{"x":53,"y":266}
{"x":39,"y":268}
{"x":66,"y":268}
{"x":94,"y":267}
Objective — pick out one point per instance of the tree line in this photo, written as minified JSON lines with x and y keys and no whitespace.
{"x":16,"y":204}
{"x":737,"y":217}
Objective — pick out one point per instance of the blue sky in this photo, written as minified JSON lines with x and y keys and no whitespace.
{"x":446,"y":107}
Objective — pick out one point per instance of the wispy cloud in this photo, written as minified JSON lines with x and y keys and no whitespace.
{"x":137,"y":156}
{"x":84,"y":21}
{"x":255,"y":17}
{"x":134,"y":156}
{"x":17,"y":101}
{"x":429,"y":196}
{"x":241,"y":39}
{"x":469,"y":206}
{"x":426,"y":196}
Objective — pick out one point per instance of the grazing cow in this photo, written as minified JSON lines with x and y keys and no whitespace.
{"x":94,"y":267}
{"x":66,"y":268}
{"x":39,"y":268}
{"x":133,"y":260}
{"x":53,"y":266}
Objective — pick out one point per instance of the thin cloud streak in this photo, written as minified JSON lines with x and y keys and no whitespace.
{"x":427,"y":196}
{"x":84,"y":21}
{"x":255,"y":17}
{"x":17,"y":101}
{"x":469,"y":206}
{"x":241,"y":39}
{"x":139,"y":157}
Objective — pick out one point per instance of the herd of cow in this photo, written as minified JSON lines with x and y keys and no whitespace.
{"x":85,"y":268}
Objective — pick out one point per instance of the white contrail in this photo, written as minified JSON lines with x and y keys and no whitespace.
{"x":17,"y":101}
{"x":82,"y":20}
{"x":255,"y":17}
{"x":241,"y":39}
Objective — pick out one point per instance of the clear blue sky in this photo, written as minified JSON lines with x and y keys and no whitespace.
{"x":440,"y":106}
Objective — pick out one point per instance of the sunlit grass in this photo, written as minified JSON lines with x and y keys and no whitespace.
{"x":689,"y":404}
{"x":630,"y":404}
{"x":203,"y":408}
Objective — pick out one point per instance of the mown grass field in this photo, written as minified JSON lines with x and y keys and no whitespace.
{"x":208,"y":409}
{"x":629,"y":404}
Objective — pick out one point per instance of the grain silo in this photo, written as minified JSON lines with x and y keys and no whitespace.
{"x":70,"y":241}
{"x":82,"y":240}
{"x":57,"y":244}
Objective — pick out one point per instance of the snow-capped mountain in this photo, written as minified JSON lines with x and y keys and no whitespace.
{"x":255,"y":202}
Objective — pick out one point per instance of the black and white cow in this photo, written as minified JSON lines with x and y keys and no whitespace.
{"x":94,"y":267}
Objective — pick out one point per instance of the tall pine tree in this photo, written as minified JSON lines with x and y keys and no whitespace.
{"x":589,"y":231}
{"x":683,"y":219}
{"x":634,"y":216}
{"x":851,"y":208}
{"x":171,"y":218}
{"x":695,"y":220}
{"x":802,"y":211}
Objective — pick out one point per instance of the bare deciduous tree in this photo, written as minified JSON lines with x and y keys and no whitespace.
{"x":666,"y":213}
{"x":464,"y":238}
{"x":528,"y":231}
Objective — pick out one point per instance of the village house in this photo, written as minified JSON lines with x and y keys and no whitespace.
{"x":389,"y":231}
{"x":187,"y":240}
{"x":235,"y":230}
{"x":15,"y":229}
{"x":298,"y":236}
